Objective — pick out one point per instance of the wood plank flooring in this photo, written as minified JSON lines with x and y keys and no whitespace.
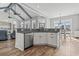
{"x":7,"y":49}
{"x":69,"y":48}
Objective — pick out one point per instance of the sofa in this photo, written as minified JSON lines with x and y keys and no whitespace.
{"x":3,"y":35}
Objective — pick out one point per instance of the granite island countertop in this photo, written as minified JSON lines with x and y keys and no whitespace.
{"x":26,"y":31}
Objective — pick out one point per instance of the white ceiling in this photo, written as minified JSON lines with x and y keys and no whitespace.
{"x":56,"y":9}
{"x":51,"y":10}
{"x":4,"y":4}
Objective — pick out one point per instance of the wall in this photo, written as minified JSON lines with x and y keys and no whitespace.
{"x":4,"y":25}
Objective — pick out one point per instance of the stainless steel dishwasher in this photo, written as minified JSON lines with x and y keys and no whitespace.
{"x":28,"y":41}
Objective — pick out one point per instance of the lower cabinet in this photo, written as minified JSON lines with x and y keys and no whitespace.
{"x":46,"y":39}
{"x":19,"y":41}
{"x":27,"y":40}
{"x":40,"y":39}
{"x":23,"y":41}
{"x":52,"y":39}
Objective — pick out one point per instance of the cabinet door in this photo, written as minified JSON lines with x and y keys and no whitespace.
{"x":19,"y":43}
{"x":52,"y":39}
{"x":43,"y":38}
{"x":36,"y":40}
{"x":40,"y":38}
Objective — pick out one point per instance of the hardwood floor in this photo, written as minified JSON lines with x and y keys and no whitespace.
{"x":69,"y":48}
{"x":7,"y":49}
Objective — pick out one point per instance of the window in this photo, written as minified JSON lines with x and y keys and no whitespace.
{"x":57,"y":23}
{"x":63,"y":24}
{"x":42,"y":25}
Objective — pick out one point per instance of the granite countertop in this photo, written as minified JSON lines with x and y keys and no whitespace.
{"x":37,"y":30}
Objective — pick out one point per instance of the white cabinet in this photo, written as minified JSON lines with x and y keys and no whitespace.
{"x":52,"y":39}
{"x":43,"y":39}
{"x":37,"y":37}
{"x":23,"y":41}
{"x":19,"y":42}
{"x":46,"y":39}
{"x":40,"y":39}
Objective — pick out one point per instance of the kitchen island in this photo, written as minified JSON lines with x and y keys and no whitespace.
{"x":26,"y":38}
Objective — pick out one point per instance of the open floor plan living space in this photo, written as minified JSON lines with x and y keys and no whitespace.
{"x":39,"y":29}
